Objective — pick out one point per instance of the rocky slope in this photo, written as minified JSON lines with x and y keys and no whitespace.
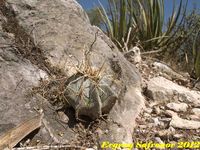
{"x":172,"y":108}
{"x":55,"y":65}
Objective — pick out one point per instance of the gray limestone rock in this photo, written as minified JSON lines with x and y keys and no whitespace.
{"x":57,"y":35}
{"x":17,"y":77}
{"x":163,"y":90}
{"x":178,"y":122}
{"x":178,"y":107}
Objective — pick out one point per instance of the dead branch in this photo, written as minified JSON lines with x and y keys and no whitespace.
{"x":15,"y":135}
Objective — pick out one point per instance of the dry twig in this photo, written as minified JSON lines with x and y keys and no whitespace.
{"x":15,"y":135}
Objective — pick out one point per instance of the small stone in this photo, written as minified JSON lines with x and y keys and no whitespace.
{"x":134,"y":56}
{"x":194,"y":117}
{"x":106,"y":131}
{"x":63,"y":117}
{"x":178,"y":136}
{"x":143,"y":126}
{"x":163,"y":133}
{"x":170,"y":113}
{"x":156,"y":121}
{"x":178,"y":107}
{"x":163,"y":90}
{"x":158,"y":140}
{"x":178,"y":122}
{"x":196,"y":111}
{"x":196,"y":138}
{"x":99,"y":132}
{"x":162,"y":124}
{"x":147,"y":115}
{"x":148,"y":110}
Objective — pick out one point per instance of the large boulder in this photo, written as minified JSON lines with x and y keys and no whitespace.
{"x":17,"y":77}
{"x":56,"y":35}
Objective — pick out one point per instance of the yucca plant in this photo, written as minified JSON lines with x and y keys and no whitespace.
{"x":117,"y":20}
{"x":130,"y":21}
{"x":196,"y":55}
{"x":93,"y":15}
